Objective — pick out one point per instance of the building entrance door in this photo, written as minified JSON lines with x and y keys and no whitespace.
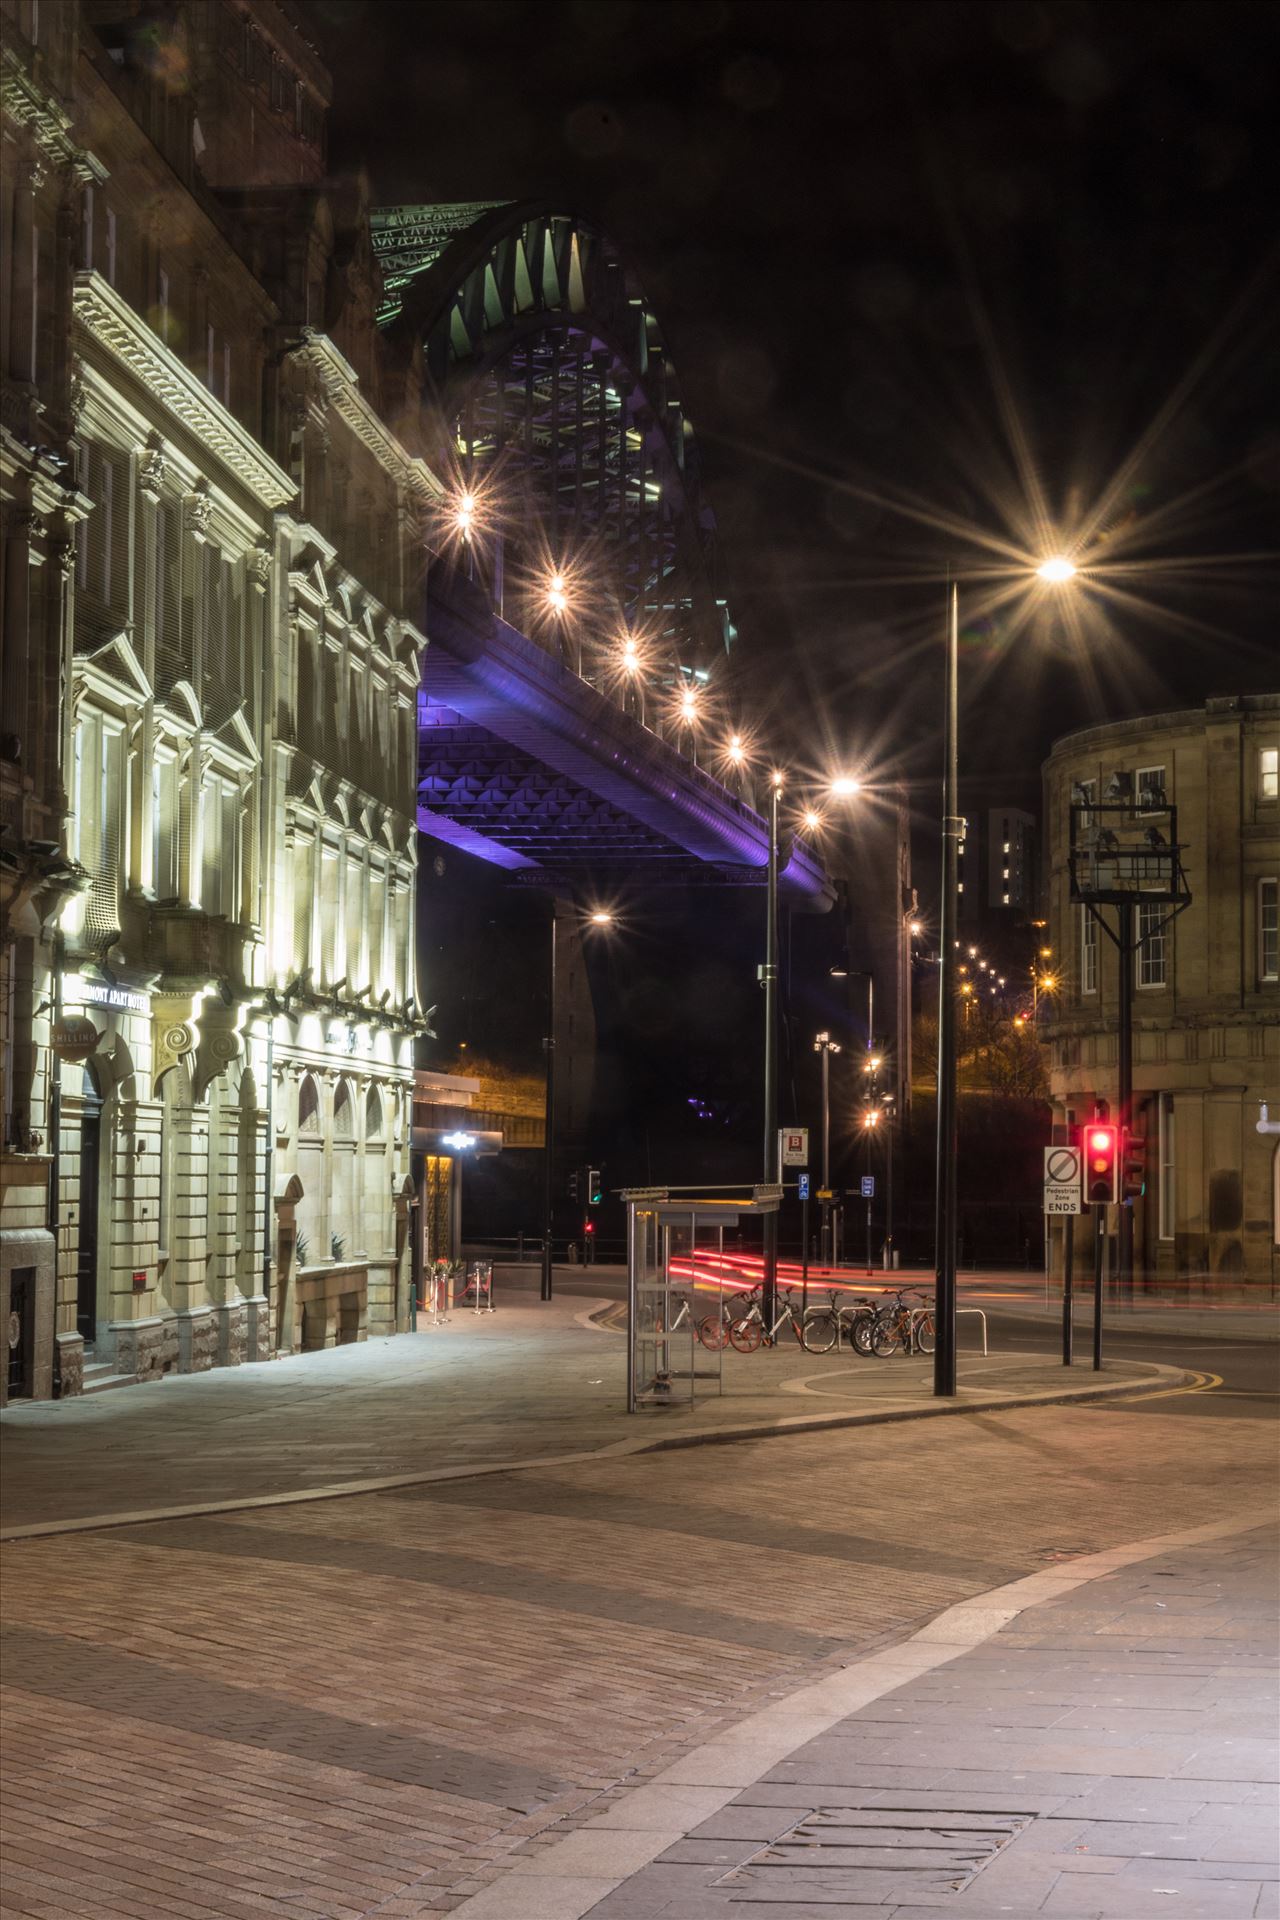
{"x":87,"y":1259}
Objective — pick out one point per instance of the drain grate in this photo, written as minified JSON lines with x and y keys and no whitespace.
{"x":835,"y":1852}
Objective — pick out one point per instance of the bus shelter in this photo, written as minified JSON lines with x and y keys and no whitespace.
{"x":675,"y":1277}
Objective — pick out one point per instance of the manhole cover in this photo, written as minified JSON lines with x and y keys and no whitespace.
{"x":832,"y":1850}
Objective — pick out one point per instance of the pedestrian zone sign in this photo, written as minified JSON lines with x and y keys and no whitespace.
{"x":1063,"y":1180}
{"x":794,"y":1142}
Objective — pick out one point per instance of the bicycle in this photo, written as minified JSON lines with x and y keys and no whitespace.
{"x":714,"y":1329}
{"x":825,"y":1327}
{"x":749,"y":1333}
{"x":907,"y":1324}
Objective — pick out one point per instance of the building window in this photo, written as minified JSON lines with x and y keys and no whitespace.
{"x":164,"y":827}
{"x":1088,"y":952}
{"x":1151,"y":788}
{"x":308,"y":1106}
{"x":1269,"y":773}
{"x":1083,"y":794}
{"x":1268,"y":930}
{"x":1004,"y":898}
{"x":1168,"y":1169}
{"x":1152,"y":944}
{"x":219,"y":870}
{"x":304,"y":880}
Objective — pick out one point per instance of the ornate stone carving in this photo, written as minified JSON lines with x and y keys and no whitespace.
{"x":258,"y":564}
{"x":20,"y":520}
{"x":152,"y":466}
{"x":199,"y":509}
{"x":75,"y":394}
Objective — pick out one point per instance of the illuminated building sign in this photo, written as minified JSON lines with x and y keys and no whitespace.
{"x":96,"y":993}
{"x":458,"y":1141}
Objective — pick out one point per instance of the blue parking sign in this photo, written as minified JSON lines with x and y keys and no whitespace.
{"x":803,"y":1184}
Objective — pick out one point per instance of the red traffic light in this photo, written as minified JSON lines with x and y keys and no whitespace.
{"x":1103,"y":1182}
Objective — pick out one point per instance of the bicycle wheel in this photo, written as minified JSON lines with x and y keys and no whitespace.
{"x":712,"y":1332}
{"x":884,"y":1338}
{"x":925,"y":1336}
{"x":746,"y":1335}
{"x":820,"y":1331}
{"x":861,"y":1332}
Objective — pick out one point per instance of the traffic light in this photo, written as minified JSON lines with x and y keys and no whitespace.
{"x":1101,"y":1164}
{"x":1133,"y":1180}
{"x":575,"y":1184}
{"x":595,"y":1192}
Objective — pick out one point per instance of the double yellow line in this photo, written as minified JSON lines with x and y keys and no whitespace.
{"x":1202,"y":1383}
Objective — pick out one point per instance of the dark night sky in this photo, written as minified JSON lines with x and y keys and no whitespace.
{"x":855,"y":223}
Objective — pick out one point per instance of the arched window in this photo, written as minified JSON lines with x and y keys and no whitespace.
{"x":308,"y":1106}
{"x":343,"y":1119}
{"x":374,"y":1122}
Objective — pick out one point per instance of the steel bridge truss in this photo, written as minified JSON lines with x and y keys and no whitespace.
{"x":554,"y":406}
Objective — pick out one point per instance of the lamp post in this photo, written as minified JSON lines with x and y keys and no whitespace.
{"x":826,"y":1046}
{"x":1055,"y":572}
{"x":549,"y":1118}
{"x":600,"y":917}
{"x":769,"y":981}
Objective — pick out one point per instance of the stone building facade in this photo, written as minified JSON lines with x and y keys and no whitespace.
{"x":214,"y":577}
{"x":1206,"y":1014}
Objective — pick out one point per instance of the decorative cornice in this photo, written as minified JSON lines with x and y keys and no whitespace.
{"x":341,"y":385}
{"x":126,"y":336}
{"x":47,"y":123}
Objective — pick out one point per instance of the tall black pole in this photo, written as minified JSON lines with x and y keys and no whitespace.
{"x":769,"y":978}
{"x":944,"y":1358}
{"x":826,"y":1149}
{"x":1099,"y":1234}
{"x":1068,"y":1288}
{"x":548,"y":1153}
{"x":1124,"y":1118}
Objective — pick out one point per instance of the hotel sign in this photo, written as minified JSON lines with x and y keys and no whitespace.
{"x":96,"y":993}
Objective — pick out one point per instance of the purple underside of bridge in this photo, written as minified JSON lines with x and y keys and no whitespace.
{"x":526,"y":766}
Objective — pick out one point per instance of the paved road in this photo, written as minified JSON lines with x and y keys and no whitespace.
{"x":372,"y":1706}
{"x":531,"y":1382}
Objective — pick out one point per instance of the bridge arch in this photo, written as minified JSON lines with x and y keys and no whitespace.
{"x":551,"y":401}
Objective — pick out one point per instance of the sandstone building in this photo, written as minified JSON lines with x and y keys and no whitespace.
{"x":214,"y":567}
{"x":1206,"y":1016}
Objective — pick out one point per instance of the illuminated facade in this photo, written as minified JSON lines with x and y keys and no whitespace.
{"x":1206,"y":999}
{"x":213,"y":564}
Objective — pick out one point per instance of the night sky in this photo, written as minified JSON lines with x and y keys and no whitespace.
{"x":921,"y":255}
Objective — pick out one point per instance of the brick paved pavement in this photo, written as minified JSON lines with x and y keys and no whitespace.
{"x":1108,"y":1755}
{"x":529,"y":1383}
{"x":369,"y":1706}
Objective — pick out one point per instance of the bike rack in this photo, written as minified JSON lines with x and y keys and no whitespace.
{"x":917,"y":1311}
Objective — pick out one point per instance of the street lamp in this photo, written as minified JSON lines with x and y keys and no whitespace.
{"x":1055,"y":571}
{"x":768,"y":976}
{"x":826,"y":1046}
{"x":598,"y":917}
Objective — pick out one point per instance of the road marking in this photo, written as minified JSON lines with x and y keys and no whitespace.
{"x":1203,"y":1383}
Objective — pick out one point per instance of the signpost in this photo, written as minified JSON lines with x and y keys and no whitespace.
{"x":1063,"y":1180}
{"x":868,"y":1194}
{"x":1064,"y":1195}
